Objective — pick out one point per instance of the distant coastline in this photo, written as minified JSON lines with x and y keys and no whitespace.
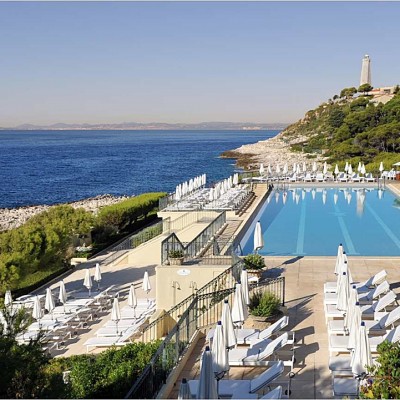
{"x":136,"y":126}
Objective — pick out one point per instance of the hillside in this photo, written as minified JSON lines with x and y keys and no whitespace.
{"x":349,"y":129}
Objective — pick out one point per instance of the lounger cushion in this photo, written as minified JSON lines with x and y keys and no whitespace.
{"x":266,"y":377}
{"x":340,"y":363}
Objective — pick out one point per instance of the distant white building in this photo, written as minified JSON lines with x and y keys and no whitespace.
{"x":365,"y":70}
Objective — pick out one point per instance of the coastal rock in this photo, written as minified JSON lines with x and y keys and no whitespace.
{"x":274,"y":151}
{"x":14,"y":217}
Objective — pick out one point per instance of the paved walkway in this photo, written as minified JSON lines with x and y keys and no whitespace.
{"x":305,"y":278}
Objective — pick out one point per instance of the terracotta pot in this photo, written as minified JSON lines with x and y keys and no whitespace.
{"x":176,"y":261}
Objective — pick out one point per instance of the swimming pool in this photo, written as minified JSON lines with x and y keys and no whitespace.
{"x":313,"y":221}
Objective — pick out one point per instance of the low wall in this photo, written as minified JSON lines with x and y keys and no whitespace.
{"x":176,"y":283}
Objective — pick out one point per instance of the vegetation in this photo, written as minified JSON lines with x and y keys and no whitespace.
{"x":264,"y":304}
{"x":385,"y":374}
{"x":175,"y":254}
{"x":254,"y":261}
{"x":351,"y":129}
{"x":41,"y":248}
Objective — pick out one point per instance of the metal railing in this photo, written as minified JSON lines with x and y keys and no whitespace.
{"x":193,"y":248}
{"x":134,"y":241}
{"x":202,"y":310}
{"x":187,"y":219}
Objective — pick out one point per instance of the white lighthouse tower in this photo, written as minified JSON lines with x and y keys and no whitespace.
{"x":366,"y":70}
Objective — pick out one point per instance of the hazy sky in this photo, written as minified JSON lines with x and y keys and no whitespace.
{"x":187,"y":62}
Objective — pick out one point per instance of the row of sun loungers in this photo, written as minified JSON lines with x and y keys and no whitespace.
{"x":320,"y":177}
{"x":257,"y":348}
{"x":119,"y":333}
{"x":230,"y":200}
{"x":380,"y":313}
{"x":65,"y":321}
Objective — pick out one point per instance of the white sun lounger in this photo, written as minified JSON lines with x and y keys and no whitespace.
{"x":307,"y":178}
{"x":253,"y":336}
{"x":363,"y":298}
{"x":139,"y":312}
{"x":368,"y":297}
{"x":342,"y":177}
{"x":227,"y":387}
{"x":118,"y":330}
{"x":373,"y":281}
{"x":332,"y":312}
{"x":110,"y":341}
{"x":345,"y":387}
{"x":342,"y":363}
{"x":369,"y":178}
{"x":259,"y":354}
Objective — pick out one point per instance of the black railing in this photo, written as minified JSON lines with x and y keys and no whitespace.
{"x":203,"y":310}
{"x":193,"y":248}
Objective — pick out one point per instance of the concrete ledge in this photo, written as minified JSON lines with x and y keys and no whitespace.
{"x":165,"y":391}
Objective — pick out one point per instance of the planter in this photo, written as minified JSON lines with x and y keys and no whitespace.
{"x":257,"y":273}
{"x":176,"y":261}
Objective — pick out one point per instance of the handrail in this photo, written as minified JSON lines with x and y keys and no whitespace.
{"x":190,"y":250}
{"x":203,"y":311}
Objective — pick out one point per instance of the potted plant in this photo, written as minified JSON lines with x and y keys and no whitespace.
{"x":264,"y":306}
{"x":176,"y":257}
{"x":254,"y":264}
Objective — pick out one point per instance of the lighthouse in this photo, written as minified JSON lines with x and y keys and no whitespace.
{"x":365,"y":70}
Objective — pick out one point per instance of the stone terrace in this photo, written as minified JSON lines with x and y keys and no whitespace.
{"x":305,"y":278}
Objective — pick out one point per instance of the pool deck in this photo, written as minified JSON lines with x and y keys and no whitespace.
{"x":305,"y":278}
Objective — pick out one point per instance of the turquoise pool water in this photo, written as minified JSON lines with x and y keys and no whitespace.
{"x":306,"y":221}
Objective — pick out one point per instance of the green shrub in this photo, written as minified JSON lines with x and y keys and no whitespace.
{"x":254,"y":261}
{"x":264,"y":304}
{"x":121,"y":215}
{"x":175,"y":254}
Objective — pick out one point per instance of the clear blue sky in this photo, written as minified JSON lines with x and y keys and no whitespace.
{"x":187,"y":62}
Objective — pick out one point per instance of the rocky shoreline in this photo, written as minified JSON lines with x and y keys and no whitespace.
{"x":272,"y":151}
{"x":11,"y":218}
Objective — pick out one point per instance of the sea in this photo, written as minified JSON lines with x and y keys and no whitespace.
{"x":51,"y":167}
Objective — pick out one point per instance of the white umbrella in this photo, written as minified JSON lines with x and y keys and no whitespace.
{"x":363,"y":170}
{"x":362,"y":358}
{"x":346,"y":167}
{"x":207,"y":388}
{"x":314,"y":167}
{"x":269,"y":169}
{"x":343,"y":292}
{"x":381,"y":167}
{"x":261,"y":169}
{"x":359,"y":166}
{"x":219,"y":353}
{"x":184,"y":391}
{"x":258,"y":237}
{"x":228,"y":327}
{"x":87,"y":282}
{"x":350,"y":170}
{"x":285,"y":169}
{"x":132,"y":300}
{"x":239,"y":309}
{"x":245,"y":286}
{"x":353,"y":299}
{"x":97,"y":275}
{"x":339,"y":259}
{"x":37,"y":311}
{"x":115,"y":312}
{"x":8,"y":298}
{"x":298,"y":169}
{"x":62,"y":295}
{"x":337,"y":170}
{"x":354,"y":324}
{"x":146,"y":286}
{"x":278,"y":169}
{"x":294,"y":168}
{"x":49,"y":301}
{"x":325,"y":168}
{"x":304,"y":167}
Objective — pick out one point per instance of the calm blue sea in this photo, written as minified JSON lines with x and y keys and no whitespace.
{"x":47,"y":167}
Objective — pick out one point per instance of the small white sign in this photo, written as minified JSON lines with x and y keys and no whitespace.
{"x":183,"y":272}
